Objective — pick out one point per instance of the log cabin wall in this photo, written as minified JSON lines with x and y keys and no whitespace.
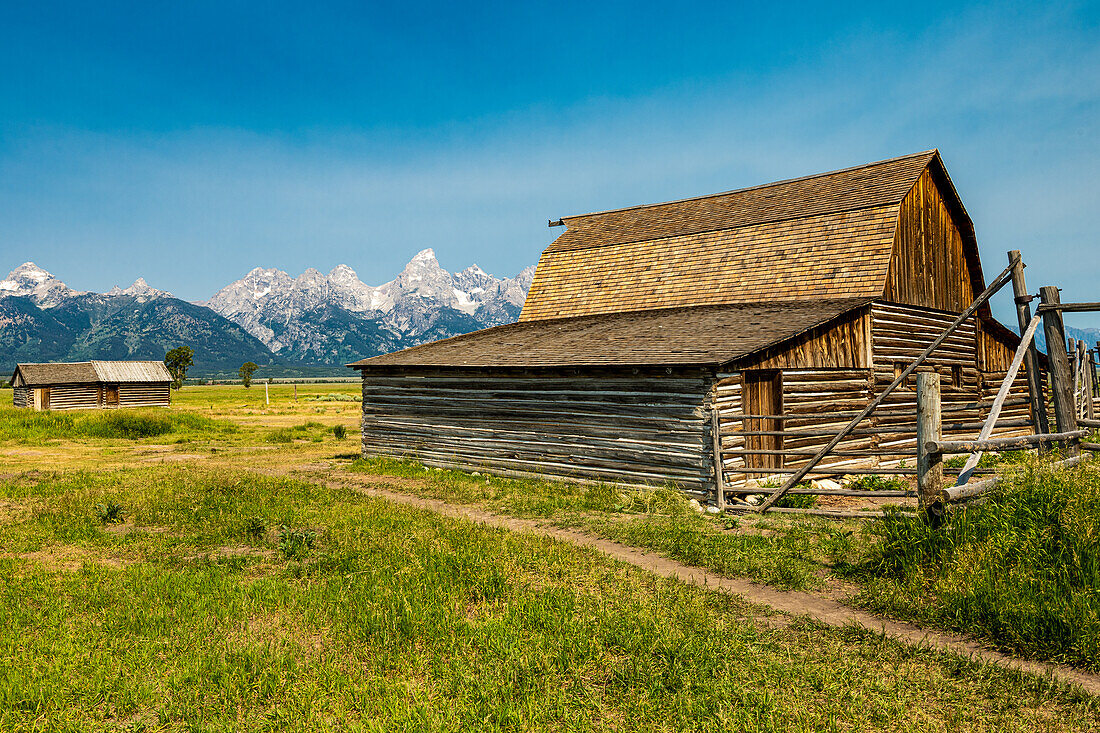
{"x":625,"y":426}
{"x":931,"y":265}
{"x":21,"y":397}
{"x":818,"y":402}
{"x":73,"y":396}
{"x":140,"y":394}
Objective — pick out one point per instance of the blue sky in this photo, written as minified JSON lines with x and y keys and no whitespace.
{"x":188,"y":143}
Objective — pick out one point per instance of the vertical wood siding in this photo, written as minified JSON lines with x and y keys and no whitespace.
{"x":610,"y":425}
{"x":843,"y":344}
{"x":929,"y":266}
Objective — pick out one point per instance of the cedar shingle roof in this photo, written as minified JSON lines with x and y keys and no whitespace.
{"x":862,"y":187}
{"x":823,"y":236}
{"x":707,"y":335}
{"x":91,"y":372}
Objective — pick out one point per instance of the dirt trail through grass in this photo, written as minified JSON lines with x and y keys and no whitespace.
{"x":793,"y":603}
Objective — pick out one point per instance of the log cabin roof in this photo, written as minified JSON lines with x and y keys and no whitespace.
{"x":90,"y":372}
{"x":705,"y":335}
{"x":825,"y":236}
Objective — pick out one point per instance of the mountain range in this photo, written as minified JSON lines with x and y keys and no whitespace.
{"x":268,"y":316}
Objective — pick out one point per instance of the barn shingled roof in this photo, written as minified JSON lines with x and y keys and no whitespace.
{"x":705,"y":335}
{"x":704,"y":280}
{"x":91,"y":372}
{"x":825,"y":236}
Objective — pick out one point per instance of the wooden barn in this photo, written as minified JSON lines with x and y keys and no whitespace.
{"x":740,"y":330}
{"x":89,"y":384}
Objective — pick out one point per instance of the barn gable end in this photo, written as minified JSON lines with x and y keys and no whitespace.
{"x":934,"y":263}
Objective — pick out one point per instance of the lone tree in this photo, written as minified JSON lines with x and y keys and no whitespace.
{"x":178,"y":361}
{"x":246,"y":371}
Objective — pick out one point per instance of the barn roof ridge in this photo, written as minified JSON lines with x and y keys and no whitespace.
{"x":930,"y":154}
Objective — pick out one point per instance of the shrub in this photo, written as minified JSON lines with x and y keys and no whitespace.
{"x":340,"y":432}
{"x":874,"y":482}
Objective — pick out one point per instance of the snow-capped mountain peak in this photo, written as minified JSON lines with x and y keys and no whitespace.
{"x":141,"y":290}
{"x":284,"y":311}
{"x":39,"y":285}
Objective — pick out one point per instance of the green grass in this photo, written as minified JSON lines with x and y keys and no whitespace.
{"x":310,"y":430}
{"x":33,"y":427}
{"x":1022,"y":570}
{"x":786,"y":552}
{"x":397,"y":619}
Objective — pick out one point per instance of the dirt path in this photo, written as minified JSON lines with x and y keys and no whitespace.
{"x":793,"y":603}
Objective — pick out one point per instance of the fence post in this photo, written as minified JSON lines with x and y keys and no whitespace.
{"x":1061,"y":379}
{"x":929,"y":465}
{"x":1086,"y":378}
{"x":1031,"y":361}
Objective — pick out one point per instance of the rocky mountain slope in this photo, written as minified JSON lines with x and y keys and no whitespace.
{"x":42,"y":319}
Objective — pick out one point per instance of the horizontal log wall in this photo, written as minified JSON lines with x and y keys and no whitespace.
{"x":22,"y":397}
{"x":901,"y":333}
{"x":610,"y":425}
{"x":74,"y":396}
{"x":143,"y":394}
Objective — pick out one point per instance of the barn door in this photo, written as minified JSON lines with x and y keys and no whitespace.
{"x":763,"y":397}
{"x":111,"y":394}
{"x":42,"y":398}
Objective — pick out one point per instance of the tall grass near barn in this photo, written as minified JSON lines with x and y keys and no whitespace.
{"x":29,"y":426}
{"x":1022,"y":570}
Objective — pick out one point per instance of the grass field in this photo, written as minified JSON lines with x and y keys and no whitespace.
{"x":217,"y":576}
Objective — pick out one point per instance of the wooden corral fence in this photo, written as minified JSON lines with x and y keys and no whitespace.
{"x":884,"y":427}
{"x":1073,"y":384}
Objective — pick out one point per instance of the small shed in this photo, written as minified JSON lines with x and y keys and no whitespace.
{"x":91,"y":384}
{"x":714,"y":341}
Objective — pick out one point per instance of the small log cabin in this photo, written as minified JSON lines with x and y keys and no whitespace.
{"x":91,"y":384}
{"x":735,"y":332}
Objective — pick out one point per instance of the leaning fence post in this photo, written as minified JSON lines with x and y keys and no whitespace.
{"x":929,"y":465}
{"x":1061,"y":380}
{"x":1031,"y":363}
{"x":1088,"y":371}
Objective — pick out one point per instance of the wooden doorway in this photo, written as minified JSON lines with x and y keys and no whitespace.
{"x":42,"y":398}
{"x":763,"y":397}
{"x":110,"y":395}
